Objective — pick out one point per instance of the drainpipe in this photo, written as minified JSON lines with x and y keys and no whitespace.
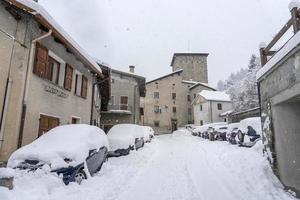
{"x":134,"y":102}
{"x":27,"y":81}
{"x":4,"y":112}
{"x":211,"y":114}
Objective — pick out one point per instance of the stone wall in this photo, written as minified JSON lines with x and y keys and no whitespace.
{"x":194,"y":67}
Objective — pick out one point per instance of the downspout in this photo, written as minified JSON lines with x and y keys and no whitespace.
{"x":27,"y":81}
{"x":92,"y":103}
{"x":134,"y":102}
{"x":211,"y":114}
{"x":5,"y":107}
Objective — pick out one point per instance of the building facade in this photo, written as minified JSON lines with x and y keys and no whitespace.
{"x":46,"y":79}
{"x":168,"y":98}
{"x":124,"y":105}
{"x":208,"y":105}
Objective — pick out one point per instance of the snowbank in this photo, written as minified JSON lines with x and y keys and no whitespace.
{"x":148,"y":132}
{"x":6,"y":173}
{"x":68,"y":141}
{"x":122,"y":136}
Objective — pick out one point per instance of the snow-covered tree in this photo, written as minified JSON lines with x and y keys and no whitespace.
{"x":242,"y":86}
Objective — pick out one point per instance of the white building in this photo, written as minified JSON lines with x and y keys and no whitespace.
{"x":208,"y":105}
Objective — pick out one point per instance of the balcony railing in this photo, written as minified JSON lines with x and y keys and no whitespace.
{"x":121,"y":108}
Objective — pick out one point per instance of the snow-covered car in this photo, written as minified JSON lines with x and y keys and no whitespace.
{"x":125,"y":137}
{"x":219,"y":132}
{"x":208,"y":129}
{"x":232,"y":132}
{"x":73,"y":151}
{"x":249,"y":131}
{"x":148,"y":133}
{"x":190,"y":127}
{"x":196,"y":130}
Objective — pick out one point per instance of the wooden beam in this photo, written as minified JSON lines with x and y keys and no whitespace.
{"x":295,"y":19}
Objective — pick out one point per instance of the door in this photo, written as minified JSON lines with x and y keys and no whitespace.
{"x":124,"y":103}
{"x":47,"y":123}
{"x":174,"y":124}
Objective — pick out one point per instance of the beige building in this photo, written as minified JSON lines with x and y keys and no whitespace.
{"x":209,"y":106}
{"x":168,"y":98}
{"x":46,"y":79}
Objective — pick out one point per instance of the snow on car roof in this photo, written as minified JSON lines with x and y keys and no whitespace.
{"x":255,"y":122}
{"x":68,"y":141}
{"x":121,"y":136}
{"x":214,"y":95}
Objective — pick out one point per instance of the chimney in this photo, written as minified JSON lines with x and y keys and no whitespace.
{"x":131,"y":69}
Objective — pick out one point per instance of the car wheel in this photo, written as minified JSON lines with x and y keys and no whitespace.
{"x":80,"y":176}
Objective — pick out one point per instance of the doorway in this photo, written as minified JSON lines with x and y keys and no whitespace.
{"x":174,"y":124}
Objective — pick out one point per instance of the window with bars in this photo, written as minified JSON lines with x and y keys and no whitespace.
{"x":156,"y":95}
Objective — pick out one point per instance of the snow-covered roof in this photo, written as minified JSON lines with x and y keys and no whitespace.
{"x":68,"y":141}
{"x":197,"y":84}
{"x":214,"y":95}
{"x":170,"y":74}
{"x":45,"y":18}
{"x":288,"y":47}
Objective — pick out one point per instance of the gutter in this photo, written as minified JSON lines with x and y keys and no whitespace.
{"x":27,"y":82}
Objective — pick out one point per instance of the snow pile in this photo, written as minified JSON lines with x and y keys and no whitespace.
{"x":148,"y":132}
{"x":214,"y":95}
{"x":122,"y":136}
{"x":6,"y":173}
{"x":255,"y":122}
{"x":68,"y":141}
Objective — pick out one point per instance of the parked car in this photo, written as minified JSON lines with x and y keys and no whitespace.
{"x":219,"y":132}
{"x":190,"y":127}
{"x":196,"y":130}
{"x":249,"y":131}
{"x":208,"y":130}
{"x":125,"y":137}
{"x":148,"y":133}
{"x":232,"y":132}
{"x":73,"y":151}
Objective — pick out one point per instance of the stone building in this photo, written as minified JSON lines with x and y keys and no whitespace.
{"x":208,"y":105}
{"x":279,"y":87}
{"x":46,"y":79}
{"x":168,"y":98}
{"x":124,"y":105}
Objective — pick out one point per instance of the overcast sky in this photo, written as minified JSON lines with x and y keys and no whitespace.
{"x":146,"y":33}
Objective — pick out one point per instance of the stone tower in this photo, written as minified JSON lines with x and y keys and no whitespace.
{"x":194,"y":66}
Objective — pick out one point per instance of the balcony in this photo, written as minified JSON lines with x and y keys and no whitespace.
{"x":119,"y":109}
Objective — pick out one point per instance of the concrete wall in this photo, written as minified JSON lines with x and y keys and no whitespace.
{"x":13,"y":64}
{"x":194,"y":67}
{"x":279,"y":92}
{"x":165,"y":88}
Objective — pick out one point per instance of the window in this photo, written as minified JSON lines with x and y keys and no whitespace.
{"x":219,"y":106}
{"x":156,"y":95}
{"x":77,"y":85}
{"x":156,"y":109}
{"x":188,"y":97}
{"x":225,"y":120}
{"x":124,"y":103}
{"x":68,"y":77}
{"x":156,"y":85}
{"x":201,"y":108}
{"x":173,"y":96}
{"x":41,"y":61}
{"x":201,"y":122}
{"x":194,"y":96}
{"x":111,"y":100}
{"x":174,"y":109}
{"x":156,"y":123}
{"x":46,"y":123}
{"x":53,"y":70}
{"x":84,"y":87}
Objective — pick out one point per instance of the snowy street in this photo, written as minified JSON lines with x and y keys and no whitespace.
{"x":177,"y":166}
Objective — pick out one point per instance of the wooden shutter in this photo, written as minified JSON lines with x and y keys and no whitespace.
{"x":68,"y":77}
{"x":41,"y":61}
{"x":84,"y":87}
{"x":47,"y":123}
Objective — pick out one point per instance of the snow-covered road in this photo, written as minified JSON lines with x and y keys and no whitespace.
{"x":177,"y":166}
